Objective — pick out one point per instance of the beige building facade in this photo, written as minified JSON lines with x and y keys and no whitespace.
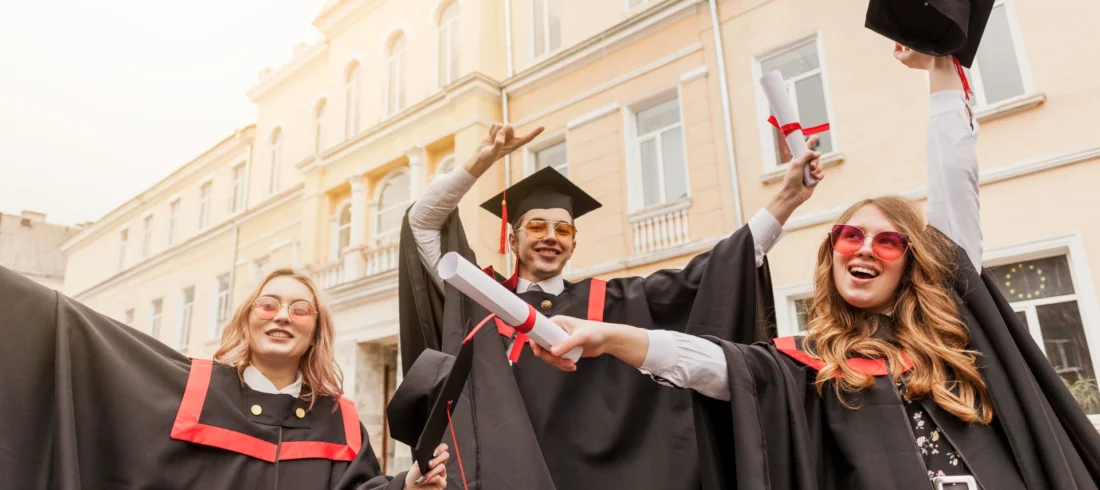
{"x":652,"y":107}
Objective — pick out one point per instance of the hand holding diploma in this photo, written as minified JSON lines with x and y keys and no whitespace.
{"x":629,"y":344}
{"x":786,"y":117}
{"x":513,"y":311}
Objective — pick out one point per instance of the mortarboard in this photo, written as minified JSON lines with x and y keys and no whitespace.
{"x":419,"y":412}
{"x":935,"y":27}
{"x":545,"y":189}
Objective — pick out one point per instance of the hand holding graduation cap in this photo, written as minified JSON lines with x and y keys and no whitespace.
{"x":501,"y":141}
{"x":436,"y":478}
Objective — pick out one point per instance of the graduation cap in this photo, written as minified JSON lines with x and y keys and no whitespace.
{"x":545,"y":189}
{"x":934,"y":27}
{"x":419,"y":412}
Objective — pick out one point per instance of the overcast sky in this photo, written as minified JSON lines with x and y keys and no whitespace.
{"x":100,"y":100}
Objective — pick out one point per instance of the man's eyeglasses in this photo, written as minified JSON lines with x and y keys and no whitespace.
{"x":301,"y":311}
{"x":537,"y":229}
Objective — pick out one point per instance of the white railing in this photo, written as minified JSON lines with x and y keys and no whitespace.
{"x":662,"y":226}
{"x":357,"y":263}
{"x":382,"y":258}
{"x":329,"y":275}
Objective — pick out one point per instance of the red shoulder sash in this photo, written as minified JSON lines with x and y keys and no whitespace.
{"x":792,"y":347}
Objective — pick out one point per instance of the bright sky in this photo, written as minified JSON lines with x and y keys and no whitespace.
{"x":100,"y":100}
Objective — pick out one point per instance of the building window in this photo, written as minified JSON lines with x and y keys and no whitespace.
{"x":128,"y":317}
{"x":319,"y":127}
{"x":276,"y":161}
{"x":154,"y":318}
{"x":1043,"y":295}
{"x":395,"y":97}
{"x":635,"y":3}
{"x":554,"y":156}
{"x":351,"y":101}
{"x":805,"y":80}
{"x":236,"y":202}
{"x":546,"y":28}
{"x":222,"y":303}
{"x":343,"y":230}
{"x":802,"y":313}
{"x":260,"y":267}
{"x":187,"y":306}
{"x":997,"y":73}
{"x":660,"y":149}
{"x":392,"y":201}
{"x":448,"y":45}
{"x":123,"y":237}
{"x":146,"y":236}
{"x":204,"y":204}
{"x":173,"y":216}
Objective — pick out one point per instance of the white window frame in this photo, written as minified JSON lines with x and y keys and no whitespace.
{"x":786,"y":316}
{"x":123,"y":242}
{"x":975,"y":77}
{"x":336,"y":251}
{"x":395,"y":62}
{"x":635,"y":192}
{"x":187,"y":314}
{"x":318,"y":115}
{"x":222,"y":302}
{"x":128,"y":317}
{"x":353,"y":78}
{"x":156,"y":312}
{"x":205,"y":201}
{"x":446,"y":59}
{"x":276,"y":142}
{"x":377,"y":234}
{"x":548,"y":48}
{"x":236,"y":199}
{"x":530,"y":156}
{"x":146,"y":235}
{"x":258,"y":265}
{"x":173,"y":218}
{"x":763,"y":111}
{"x":627,"y":7}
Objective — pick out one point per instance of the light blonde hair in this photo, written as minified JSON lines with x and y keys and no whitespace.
{"x":321,"y":376}
{"x":927,"y":323}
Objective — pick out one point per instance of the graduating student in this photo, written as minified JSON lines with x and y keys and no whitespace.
{"x":88,"y":402}
{"x":610,"y":427}
{"x":915,"y":372}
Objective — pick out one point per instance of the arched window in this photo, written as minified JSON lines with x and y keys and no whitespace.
{"x":448,"y":45}
{"x":319,"y":126}
{"x":351,"y":100}
{"x":276,"y":160}
{"x":395,"y":98}
{"x":392,"y":201}
{"x":343,"y":229}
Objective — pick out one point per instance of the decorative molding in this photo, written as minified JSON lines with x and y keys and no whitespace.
{"x":660,"y":210}
{"x":280,"y":245}
{"x":1008,"y":107}
{"x":610,"y":84}
{"x":593,"y":115}
{"x":364,"y":290}
{"x":985,"y":177}
{"x":828,"y":160}
{"x":693,"y":75}
{"x":595,"y":47}
{"x":296,"y":63}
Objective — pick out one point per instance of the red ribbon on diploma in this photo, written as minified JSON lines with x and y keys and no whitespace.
{"x":521,"y":331}
{"x":787,"y":129}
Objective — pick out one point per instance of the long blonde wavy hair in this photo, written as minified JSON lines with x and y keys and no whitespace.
{"x":926,"y":323}
{"x":321,"y":376}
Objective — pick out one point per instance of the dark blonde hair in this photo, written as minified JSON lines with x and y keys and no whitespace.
{"x":927,"y":323}
{"x":321,"y":376}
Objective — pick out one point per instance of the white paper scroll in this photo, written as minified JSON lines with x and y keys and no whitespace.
{"x":785,"y":113}
{"x":475,"y":283}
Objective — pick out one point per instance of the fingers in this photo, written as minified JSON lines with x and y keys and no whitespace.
{"x":530,"y":136}
{"x":493,"y":131}
{"x":437,"y":471}
{"x":812,"y":142}
{"x":561,"y":363}
{"x":440,"y":459}
{"x":509,"y":132}
{"x":565,"y":322}
{"x":572,"y":341}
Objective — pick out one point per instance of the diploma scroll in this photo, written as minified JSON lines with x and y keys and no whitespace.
{"x":476,"y":284}
{"x":785,"y":114}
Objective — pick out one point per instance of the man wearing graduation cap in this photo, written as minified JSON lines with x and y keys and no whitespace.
{"x":584,"y":434}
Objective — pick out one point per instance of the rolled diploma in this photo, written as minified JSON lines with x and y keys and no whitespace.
{"x":785,"y":113}
{"x":475,"y":283}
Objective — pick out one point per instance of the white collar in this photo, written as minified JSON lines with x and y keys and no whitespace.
{"x":257,"y":381}
{"x":555,"y":285}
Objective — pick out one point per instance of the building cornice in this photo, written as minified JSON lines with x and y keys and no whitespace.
{"x":360,"y":291}
{"x":201,"y":238}
{"x":595,"y":47}
{"x":300,"y":59}
{"x":242,"y":139}
{"x":477,"y":83}
{"x":338,"y":15}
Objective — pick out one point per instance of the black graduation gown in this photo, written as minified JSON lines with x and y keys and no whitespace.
{"x":606,"y":425}
{"x":776,"y":432}
{"x":89,"y":403}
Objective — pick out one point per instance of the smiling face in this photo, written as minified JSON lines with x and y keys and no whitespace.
{"x":287,"y":335}
{"x":542,"y":258}
{"x":862,"y":279}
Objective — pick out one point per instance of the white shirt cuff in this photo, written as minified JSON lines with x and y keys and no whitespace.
{"x":662,"y":352}
{"x":766,"y":232}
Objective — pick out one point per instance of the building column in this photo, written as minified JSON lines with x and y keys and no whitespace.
{"x":354,"y":264}
{"x":346,"y":357}
{"x":416,"y":171}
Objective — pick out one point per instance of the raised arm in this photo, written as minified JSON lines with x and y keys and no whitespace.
{"x":953,"y":203}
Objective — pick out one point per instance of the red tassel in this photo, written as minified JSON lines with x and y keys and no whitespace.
{"x":503,"y":222}
{"x":962,"y":76}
